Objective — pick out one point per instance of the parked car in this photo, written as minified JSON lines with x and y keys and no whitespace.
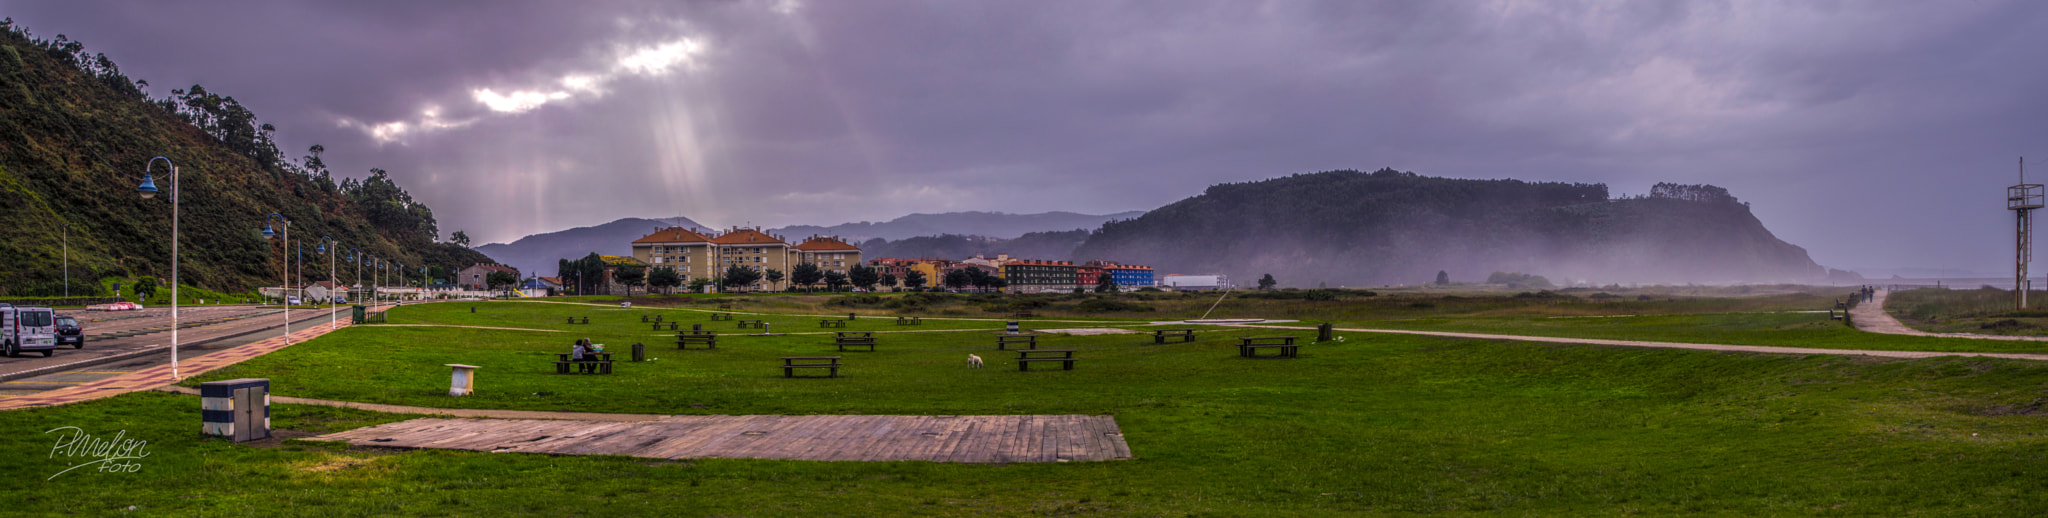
{"x":69,"y":332}
{"x":24,"y":328}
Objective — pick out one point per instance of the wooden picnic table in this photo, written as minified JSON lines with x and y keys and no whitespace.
{"x":721,"y":316}
{"x":790,"y":365}
{"x":1249,"y":346}
{"x":1184,"y":334}
{"x":602,"y":364}
{"x":832,"y":322}
{"x":1004,"y":341}
{"x":707,"y":338}
{"x":572,"y":320}
{"x":671,"y":325}
{"x":845,"y":339}
{"x":1064,"y":356}
{"x":756,"y":324}
{"x":909,"y":321}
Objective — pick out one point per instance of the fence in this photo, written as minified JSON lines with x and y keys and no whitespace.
{"x":61,"y":301}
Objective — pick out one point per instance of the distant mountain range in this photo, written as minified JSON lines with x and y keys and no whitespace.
{"x":538,"y":254}
{"x":953,"y":231}
{"x":986,"y":224}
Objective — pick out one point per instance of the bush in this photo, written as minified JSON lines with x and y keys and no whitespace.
{"x":1107,"y":306}
{"x":1518,"y":280}
{"x":855,"y":301}
{"x":1545,"y":294}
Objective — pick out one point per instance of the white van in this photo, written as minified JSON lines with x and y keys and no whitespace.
{"x":27,"y":329}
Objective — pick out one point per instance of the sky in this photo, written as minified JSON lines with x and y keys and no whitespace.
{"x":1877,"y":134}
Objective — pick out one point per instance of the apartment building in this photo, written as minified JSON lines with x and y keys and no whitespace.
{"x":1029,"y":276}
{"x":686,"y":251}
{"x":831,"y":254}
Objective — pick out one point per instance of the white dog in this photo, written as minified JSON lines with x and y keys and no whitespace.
{"x":973,"y":361}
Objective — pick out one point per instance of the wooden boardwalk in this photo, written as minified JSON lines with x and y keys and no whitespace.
{"x":968,"y":439}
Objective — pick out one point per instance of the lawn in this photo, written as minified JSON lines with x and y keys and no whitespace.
{"x":1377,"y":424}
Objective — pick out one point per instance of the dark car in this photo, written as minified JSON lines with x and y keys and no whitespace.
{"x":69,"y":332}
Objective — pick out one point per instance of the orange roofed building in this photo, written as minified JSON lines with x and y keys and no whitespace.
{"x":696,"y":254}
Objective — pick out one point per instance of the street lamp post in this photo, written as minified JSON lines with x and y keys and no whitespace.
{"x":283,"y":275}
{"x":333,"y":322}
{"x":148,"y":190}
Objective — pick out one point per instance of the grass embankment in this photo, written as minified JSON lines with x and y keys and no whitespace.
{"x":1371,"y":425}
{"x":1986,"y":310}
{"x":1767,"y":329}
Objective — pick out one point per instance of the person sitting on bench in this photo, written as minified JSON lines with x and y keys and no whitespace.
{"x":582,"y":347}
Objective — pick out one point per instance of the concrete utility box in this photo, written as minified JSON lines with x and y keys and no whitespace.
{"x":236,"y":409}
{"x":464,"y":380}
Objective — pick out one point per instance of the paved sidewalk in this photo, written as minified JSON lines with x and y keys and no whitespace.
{"x":1681,"y":345}
{"x":1871,"y":317}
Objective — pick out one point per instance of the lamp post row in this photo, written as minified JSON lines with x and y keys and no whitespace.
{"x":149,"y":190}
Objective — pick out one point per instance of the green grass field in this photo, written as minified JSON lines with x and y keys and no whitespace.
{"x":1377,"y":424}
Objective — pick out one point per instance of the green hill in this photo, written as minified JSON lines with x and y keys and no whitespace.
{"x":1388,"y":227}
{"x":75,"y":135}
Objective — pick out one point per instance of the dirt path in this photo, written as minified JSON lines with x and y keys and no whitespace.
{"x":1871,"y":317}
{"x":1681,"y":345}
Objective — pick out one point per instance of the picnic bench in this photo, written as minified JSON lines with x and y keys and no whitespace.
{"x":671,"y":325}
{"x":601,"y":364}
{"x":832,"y":322}
{"x":756,"y":324}
{"x":1004,"y":341}
{"x":1064,"y":356}
{"x":725,"y":305}
{"x":1023,"y":314}
{"x":649,"y":318}
{"x":909,"y":321}
{"x":721,"y":316}
{"x":1185,"y":335}
{"x":1249,"y":346}
{"x":845,"y":339}
{"x":572,"y":320}
{"x":790,"y":365}
{"x":707,"y":338}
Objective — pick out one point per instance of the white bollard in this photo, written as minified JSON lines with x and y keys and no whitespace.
{"x":464,"y":381}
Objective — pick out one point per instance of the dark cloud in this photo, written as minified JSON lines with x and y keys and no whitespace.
{"x":1874,"y":133}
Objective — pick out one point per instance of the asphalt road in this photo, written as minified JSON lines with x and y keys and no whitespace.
{"x":202,"y":330}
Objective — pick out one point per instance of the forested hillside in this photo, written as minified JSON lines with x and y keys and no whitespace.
{"x":1389,"y":227}
{"x":75,"y":136}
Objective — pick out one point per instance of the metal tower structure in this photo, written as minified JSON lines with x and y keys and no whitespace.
{"x":2023,"y":199}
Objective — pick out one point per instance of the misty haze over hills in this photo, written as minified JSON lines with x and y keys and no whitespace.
{"x":1387,"y":227}
{"x":945,"y":233}
{"x":986,"y":224}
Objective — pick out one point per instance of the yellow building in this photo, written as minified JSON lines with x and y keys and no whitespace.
{"x":687,"y":252}
{"x":830,"y":253}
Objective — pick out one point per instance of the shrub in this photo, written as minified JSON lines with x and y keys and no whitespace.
{"x":1106,"y":306}
{"x":854,"y":301}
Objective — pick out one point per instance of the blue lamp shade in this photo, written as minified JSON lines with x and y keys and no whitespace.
{"x":148,"y":188}
{"x":267,"y":232}
{"x":321,"y":249}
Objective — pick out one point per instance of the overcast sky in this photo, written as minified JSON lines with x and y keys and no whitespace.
{"x":1875,"y":134}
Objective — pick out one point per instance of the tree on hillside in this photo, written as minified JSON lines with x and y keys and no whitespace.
{"x":630,"y":276}
{"x":145,"y":288}
{"x":1267,"y":282}
{"x":1443,"y":278}
{"x":460,"y":239}
{"x":863,"y":277}
{"x":833,"y":280}
{"x":806,"y":274}
{"x":737,"y":276}
{"x":665,"y":278}
{"x":501,"y":280}
{"x":914,"y":279}
{"x":1105,"y":284}
{"x":774,"y":276}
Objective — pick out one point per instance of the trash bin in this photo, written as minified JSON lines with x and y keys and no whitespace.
{"x":357,"y":316}
{"x":850,"y":316}
{"x":237,"y":409}
{"x":1323,"y":332}
{"x":639,"y":352}
{"x":463,"y":381}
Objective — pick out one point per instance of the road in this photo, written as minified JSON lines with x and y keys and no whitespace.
{"x":141,"y":339}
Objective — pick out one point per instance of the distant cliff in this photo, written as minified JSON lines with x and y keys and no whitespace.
{"x":1388,"y":227}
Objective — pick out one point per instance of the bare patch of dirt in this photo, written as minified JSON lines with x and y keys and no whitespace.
{"x":2035,"y":408}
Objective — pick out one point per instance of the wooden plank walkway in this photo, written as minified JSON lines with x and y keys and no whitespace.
{"x":966,"y":439}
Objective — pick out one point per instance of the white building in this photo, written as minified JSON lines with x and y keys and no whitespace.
{"x":1195,"y":282}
